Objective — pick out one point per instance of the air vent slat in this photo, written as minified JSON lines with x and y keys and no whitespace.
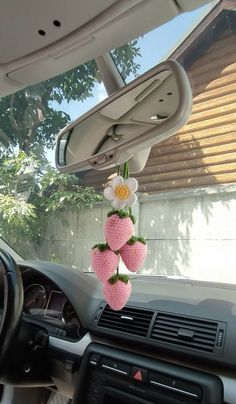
{"x":175,"y":337}
{"x":201,"y":347}
{"x":129,"y":325}
{"x":198,"y":333}
{"x":198,"y":326}
{"x":128,"y":320}
{"x":183,"y":331}
{"x":108,"y":317}
{"x":209,"y":341}
{"x":126,"y":312}
{"x":128,"y":330}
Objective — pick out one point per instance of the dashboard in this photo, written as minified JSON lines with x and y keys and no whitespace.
{"x":168,"y":328}
{"x":46,"y":304}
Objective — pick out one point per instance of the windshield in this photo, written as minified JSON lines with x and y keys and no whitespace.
{"x":187,"y":192}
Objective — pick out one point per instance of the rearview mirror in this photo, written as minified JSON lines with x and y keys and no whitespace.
{"x":127,"y":124}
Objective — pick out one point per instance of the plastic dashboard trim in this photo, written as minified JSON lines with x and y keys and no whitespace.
{"x":78,"y":348}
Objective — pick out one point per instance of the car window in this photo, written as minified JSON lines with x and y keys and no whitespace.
{"x":158,"y":44}
{"x":187,"y":192}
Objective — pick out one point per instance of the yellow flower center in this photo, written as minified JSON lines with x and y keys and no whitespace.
{"x":122,"y":192}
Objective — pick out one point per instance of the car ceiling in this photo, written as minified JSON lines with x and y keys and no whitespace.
{"x":39,"y":40}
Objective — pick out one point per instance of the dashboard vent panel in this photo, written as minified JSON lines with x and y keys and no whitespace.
{"x":128,"y":320}
{"x":186,"y":332}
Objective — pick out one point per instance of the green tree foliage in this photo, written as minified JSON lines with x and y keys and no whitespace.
{"x":30,"y":193}
{"x":125,"y":59}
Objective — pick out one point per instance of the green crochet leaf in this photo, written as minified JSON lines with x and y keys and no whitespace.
{"x":101,"y":247}
{"x":122,"y":214}
{"x":133,"y":240}
{"x":116,"y":278}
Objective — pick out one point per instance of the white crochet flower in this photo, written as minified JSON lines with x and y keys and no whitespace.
{"x":121,"y":192}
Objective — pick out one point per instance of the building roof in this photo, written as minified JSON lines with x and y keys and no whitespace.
{"x":221,"y":18}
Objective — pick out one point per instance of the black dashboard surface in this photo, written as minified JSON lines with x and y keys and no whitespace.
{"x":213,"y":304}
{"x":46,"y":304}
{"x":181,"y":297}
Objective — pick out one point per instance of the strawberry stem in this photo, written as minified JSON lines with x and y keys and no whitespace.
{"x":101,"y":247}
{"x":133,"y":240}
{"x":116,"y":278}
{"x":122,"y":214}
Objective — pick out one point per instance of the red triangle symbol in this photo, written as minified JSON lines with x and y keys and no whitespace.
{"x":138,"y":375}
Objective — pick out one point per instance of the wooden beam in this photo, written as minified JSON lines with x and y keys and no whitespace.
{"x":165,"y":148}
{"x":206,"y":124}
{"x":220,"y":43}
{"x":199,"y":153}
{"x":211,"y":94}
{"x":187,"y":173}
{"x":194,"y":163}
{"x":217,"y":101}
{"x":223,"y":55}
{"x":192,"y":182}
{"x":207,"y":83}
{"x":215,"y":72}
{"x":211,"y":114}
{"x":202,"y":134}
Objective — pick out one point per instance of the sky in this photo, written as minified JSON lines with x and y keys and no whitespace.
{"x":155,"y":47}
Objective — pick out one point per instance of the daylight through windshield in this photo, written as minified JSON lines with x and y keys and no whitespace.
{"x":187,"y":192}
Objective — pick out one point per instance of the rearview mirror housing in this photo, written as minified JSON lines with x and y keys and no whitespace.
{"x":127,"y":124}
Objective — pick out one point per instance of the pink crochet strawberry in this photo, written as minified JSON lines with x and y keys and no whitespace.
{"x":119,"y":234}
{"x":133,"y":253}
{"x":117,"y":291}
{"x":104,"y":261}
{"x":119,"y":228}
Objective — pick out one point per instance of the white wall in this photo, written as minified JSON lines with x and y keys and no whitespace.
{"x":190,"y":233}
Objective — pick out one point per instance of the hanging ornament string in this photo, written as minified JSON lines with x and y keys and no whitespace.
{"x":126,"y":176}
{"x":118,"y":170}
{"x":126,"y":171}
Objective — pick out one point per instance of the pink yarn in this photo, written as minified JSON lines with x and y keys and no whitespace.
{"x":117,"y":294}
{"x":134,"y":255}
{"x":118,"y":231}
{"x":104,"y":263}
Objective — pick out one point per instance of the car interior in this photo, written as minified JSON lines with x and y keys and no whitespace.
{"x":63,"y":339}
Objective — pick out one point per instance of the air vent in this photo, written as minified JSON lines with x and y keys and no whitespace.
{"x":186,"y":332}
{"x":129,"y":320}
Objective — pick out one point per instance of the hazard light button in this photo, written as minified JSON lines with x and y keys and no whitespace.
{"x":139,"y":374}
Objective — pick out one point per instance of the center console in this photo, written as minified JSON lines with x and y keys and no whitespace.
{"x":113,"y":376}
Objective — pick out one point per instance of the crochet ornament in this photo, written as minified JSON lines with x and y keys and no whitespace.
{"x":119,"y":228}
{"x":120,"y":242}
{"x":104,"y":261}
{"x":133,"y":253}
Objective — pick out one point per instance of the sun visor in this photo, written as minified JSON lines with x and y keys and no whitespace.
{"x":28,"y":26}
{"x":113,"y":23}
